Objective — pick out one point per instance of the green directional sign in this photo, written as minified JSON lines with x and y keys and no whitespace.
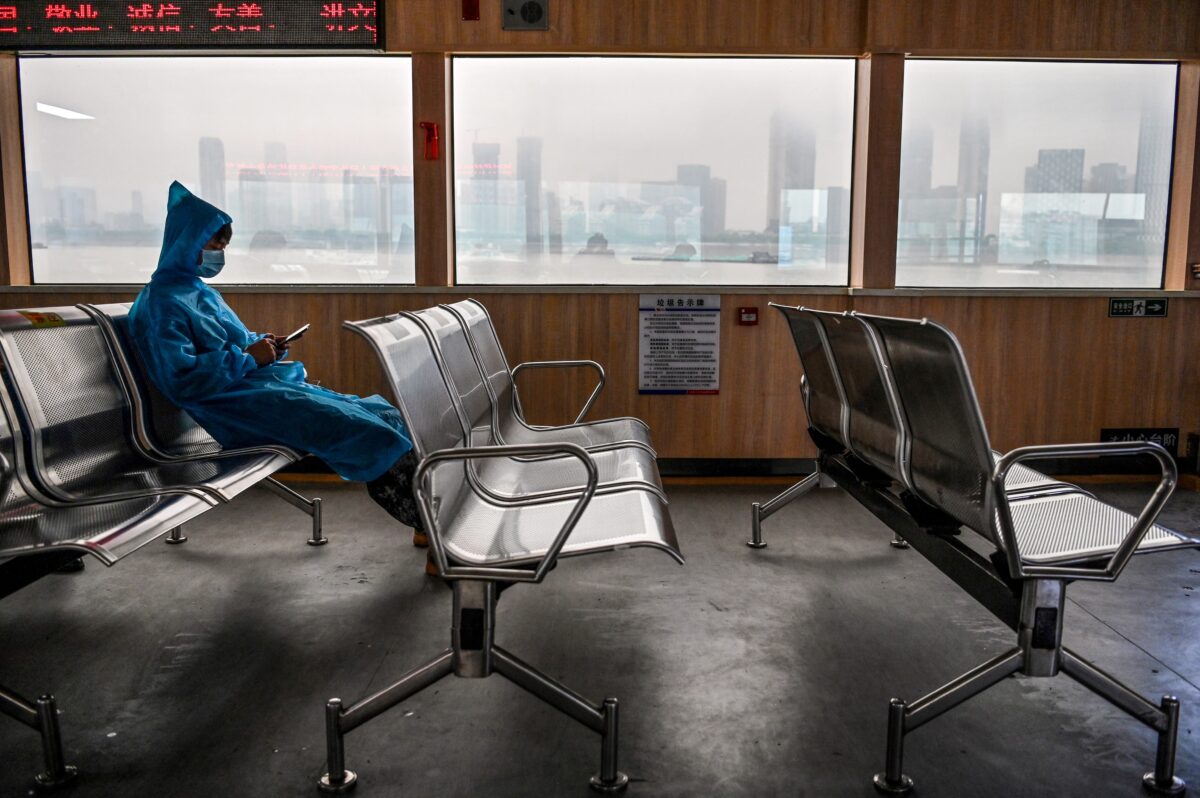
{"x":1152,"y":307}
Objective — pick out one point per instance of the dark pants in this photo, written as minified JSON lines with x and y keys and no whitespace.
{"x":393,"y":491}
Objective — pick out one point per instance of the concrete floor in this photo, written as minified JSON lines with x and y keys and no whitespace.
{"x":202,"y":670}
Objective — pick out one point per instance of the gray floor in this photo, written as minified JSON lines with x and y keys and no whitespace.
{"x":202,"y":669}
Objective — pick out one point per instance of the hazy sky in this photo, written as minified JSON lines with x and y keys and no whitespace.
{"x":636,"y":119}
{"x":610,"y":119}
{"x":151,"y":112}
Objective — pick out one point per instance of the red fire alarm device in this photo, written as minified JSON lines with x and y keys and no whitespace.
{"x":432,"y":139}
{"x":747,"y":316}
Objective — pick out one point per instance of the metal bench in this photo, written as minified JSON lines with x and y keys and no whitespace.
{"x":483,"y":543}
{"x":509,"y":422}
{"x":36,"y":539}
{"x":894,"y":414}
{"x":834,"y":398}
{"x":619,"y":465}
{"x":168,"y":432}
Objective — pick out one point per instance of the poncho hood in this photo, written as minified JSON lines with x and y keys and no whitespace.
{"x":191,"y":222}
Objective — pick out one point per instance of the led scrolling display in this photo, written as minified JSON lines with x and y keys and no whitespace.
{"x":190,"y":25}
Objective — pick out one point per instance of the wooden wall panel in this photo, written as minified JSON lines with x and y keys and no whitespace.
{"x":1056,"y":370}
{"x":875,"y":200}
{"x":757,"y":414}
{"x":1054,"y":28}
{"x":14,"y":225}
{"x":643,"y":26}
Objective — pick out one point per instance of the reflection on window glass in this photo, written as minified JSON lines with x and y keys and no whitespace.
{"x":312,"y":157}
{"x":1046,"y":175}
{"x":653,"y":170}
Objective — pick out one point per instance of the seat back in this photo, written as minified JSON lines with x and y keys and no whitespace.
{"x":68,"y":398}
{"x":168,"y":428}
{"x":950,"y":457}
{"x":490,"y":354}
{"x":422,"y":392}
{"x":874,"y":432}
{"x":824,"y":398}
{"x":465,"y":376}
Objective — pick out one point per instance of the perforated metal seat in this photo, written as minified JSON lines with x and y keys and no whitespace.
{"x":77,"y":415}
{"x":496,"y":515}
{"x":627,"y":465}
{"x":510,"y":424}
{"x":36,"y":538}
{"x":894,"y":414}
{"x":495,"y":494}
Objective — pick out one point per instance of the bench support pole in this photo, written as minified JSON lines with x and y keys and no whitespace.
{"x":176,"y":537}
{"x":473,"y":655}
{"x":1163,"y":718}
{"x":42,"y":716}
{"x":311,"y":507}
{"x":760,"y":512}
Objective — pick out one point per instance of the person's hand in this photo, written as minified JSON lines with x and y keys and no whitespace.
{"x":263,"y":351}
{"x":281,"y":346}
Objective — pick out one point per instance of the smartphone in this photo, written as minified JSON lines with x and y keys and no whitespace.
{"x":296,"y":334}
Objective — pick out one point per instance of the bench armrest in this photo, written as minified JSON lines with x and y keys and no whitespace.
{"x":537,"y":574}
{"x":602,"y":378}
{"x":1110,"y":570}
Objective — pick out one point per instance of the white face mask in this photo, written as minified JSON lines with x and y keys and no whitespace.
{"x":211,"y":262}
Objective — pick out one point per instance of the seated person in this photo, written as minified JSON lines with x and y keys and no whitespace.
{"x":233,"y":382}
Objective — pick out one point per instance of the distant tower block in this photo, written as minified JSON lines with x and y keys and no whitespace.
{"x":529,"y":175}
{"x":212,"y":171}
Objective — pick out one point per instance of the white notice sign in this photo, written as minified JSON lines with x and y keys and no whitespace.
{"x":679,"y":349}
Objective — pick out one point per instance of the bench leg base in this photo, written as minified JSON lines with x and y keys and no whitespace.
{"x":616,"y":785}
{"x":898,"y":542}
{"x":345,"y":784}
{"x":884,"y":785}
{"x":176,"y":537}
{"x":1177,"y":786}
{"x":759,"y":512}
{"x":46,"y":782}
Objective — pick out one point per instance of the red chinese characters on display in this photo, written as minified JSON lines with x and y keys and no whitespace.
{"x":67,"y":11}
{"x":8,"y":13}
{"x":341,"y":10}
{"x":153,"y":11}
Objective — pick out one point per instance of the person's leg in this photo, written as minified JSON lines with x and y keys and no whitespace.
{"x":393,"y":491}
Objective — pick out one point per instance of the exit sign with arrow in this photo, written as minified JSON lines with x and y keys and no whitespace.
{"x":1134,"y":306}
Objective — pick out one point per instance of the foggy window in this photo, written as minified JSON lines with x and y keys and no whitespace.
{"x":653,"y":170}
{"x":311,"y":156}
{"x":1035,"y":175}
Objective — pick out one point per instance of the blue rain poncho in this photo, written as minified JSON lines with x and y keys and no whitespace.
{"x":194,"y":348}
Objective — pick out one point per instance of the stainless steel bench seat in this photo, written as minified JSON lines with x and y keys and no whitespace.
{"x":893,"y":411}
{"x":496,"y":515}
{"x":510,"y":422}
{"x":628,"y":465}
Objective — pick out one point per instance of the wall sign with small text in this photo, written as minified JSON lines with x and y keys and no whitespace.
{"x":679,"y":344}
{"x":189,"y":25}
{"x":1154,"y":307}
{"x":1167,"y":437}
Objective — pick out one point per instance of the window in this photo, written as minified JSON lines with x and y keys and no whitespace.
{"x":1038,"y":175}
{"x":653,"y":170}
{"x":311,"y":156}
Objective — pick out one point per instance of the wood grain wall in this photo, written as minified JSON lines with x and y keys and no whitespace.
{"x":1053,"y":28}
{"x":1047,"y":369}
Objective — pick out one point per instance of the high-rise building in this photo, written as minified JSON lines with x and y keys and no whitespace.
{"x":1108,"y":178}
{"x":712,"y":192}
{"x":791,"y":163}
{"x":484,"y":191}
{"x":279,"y":186}
{"x":1156,"y":130}
{"x":1056,"y":172}
{"x":529,"y":177}
{"x":212,"y":170}
{"x":916,"y":159}
{"x":974,"y":155}
{"x":837,"y":226}
{"x":252,"y":191}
